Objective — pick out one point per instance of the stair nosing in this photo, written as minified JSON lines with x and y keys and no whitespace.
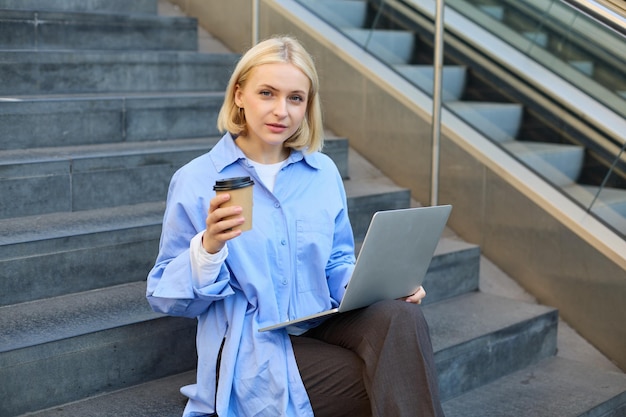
{"x":447,"y":306}
{"x":98,"y":15}
{"x":77,"y":152}
{"x":522,"y":388}
{"x":46,"y":313}
{"x":56,"y":97}
{"x":20,"y":230}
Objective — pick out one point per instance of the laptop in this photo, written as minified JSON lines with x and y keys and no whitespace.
{"x":393,"y":260}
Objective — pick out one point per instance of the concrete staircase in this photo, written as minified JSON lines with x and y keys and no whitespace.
{"x":99,"y":104}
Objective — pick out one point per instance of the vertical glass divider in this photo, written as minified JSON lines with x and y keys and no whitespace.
{"x":606,"y":177}
{"x":436,"y":117}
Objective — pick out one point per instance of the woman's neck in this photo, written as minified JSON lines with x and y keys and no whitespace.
{"x":262,"y":154}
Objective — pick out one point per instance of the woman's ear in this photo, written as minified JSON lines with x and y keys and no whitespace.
{"x":238,"y":93}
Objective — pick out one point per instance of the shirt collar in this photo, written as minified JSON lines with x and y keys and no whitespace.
{"x":227,"y":153}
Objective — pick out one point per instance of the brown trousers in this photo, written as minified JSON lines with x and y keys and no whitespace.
{"x":377,"y":361}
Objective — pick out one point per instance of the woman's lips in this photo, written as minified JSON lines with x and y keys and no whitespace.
{"x":276,"y":128}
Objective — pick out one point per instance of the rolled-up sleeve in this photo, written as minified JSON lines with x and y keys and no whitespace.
{"x":181,"y":282}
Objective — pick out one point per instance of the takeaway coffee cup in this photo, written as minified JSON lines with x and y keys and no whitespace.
{"x":240,"y":190}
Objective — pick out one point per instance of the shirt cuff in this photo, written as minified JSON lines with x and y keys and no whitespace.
{"x":205,"y":267}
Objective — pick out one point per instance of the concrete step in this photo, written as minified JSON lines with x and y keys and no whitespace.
{"x":66,"y":348}
{"x":338,"y":149}
{"x":453,"y":79}
{"x":160,"y":397}
{"x":553,"y":387}
{"x":500,"y":122}
{"x":559,"y":163}
{"x":50,"y":180}
{"x":454,"y":270}
{"x":394,"y":47}
{"x":478,"y":338}
{"x":61,"y":179}
{"x":366,"y":196}
{"x":76,"y":72}
{"x":341,"y":13}
{"x":45,"y":30}
{"x":483,"y":329}
{"x":96,"y":337}
{"x":111,"y":6}
{"x":60,"y":253}
{"x":36,"y":122}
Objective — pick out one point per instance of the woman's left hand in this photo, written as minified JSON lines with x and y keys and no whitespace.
{"x":417,"y":297}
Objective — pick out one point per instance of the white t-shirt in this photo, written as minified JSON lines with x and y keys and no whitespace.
{"x":268,"y":172}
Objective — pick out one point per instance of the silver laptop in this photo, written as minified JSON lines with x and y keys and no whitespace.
{"x":393,"y":259}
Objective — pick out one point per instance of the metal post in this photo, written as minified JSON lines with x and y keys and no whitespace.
{"x":436,"y":119}
{"x":255,"y":22}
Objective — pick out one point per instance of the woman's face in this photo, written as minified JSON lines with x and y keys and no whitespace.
{"x":274,"y":99}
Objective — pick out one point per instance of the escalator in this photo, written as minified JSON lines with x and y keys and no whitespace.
{"x":549,"y":87}
{"x":563,"y":34}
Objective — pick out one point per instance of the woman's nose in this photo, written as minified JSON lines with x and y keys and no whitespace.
{"x":280,"y":109}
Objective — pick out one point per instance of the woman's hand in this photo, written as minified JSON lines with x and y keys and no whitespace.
{"x":417,"y":297}
{"x":220,"y":222}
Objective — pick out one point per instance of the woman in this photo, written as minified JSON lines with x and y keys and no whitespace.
{"x":297,"y":259}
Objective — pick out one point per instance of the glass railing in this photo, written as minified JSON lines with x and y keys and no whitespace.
{"x":586,"y":49}
{"x":498,"y":91}
{"x":608,"y":202}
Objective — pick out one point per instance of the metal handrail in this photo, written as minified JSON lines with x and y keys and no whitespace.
{"x":601,"y":13}
{"x":255,"y":22}
{"x":437,"y":102}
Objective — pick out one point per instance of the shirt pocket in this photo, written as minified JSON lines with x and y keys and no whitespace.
{"x":314,"y":244}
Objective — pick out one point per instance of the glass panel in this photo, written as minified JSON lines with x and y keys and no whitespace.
{"x":609,"y":201}
{"x":502,"y":100}
{"x":577,"y":48}
{"x":373,"y":25}
{"x":583,"y":160}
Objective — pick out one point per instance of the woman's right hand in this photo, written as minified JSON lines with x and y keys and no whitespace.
{"x":220,"y":222}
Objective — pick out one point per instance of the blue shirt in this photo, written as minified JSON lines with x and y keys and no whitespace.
{"x":296,"y":260}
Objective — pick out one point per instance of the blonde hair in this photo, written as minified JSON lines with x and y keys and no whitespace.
{"x":280,"y":49}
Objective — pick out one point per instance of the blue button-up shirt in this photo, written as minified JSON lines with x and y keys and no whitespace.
{"x":296,"y":260}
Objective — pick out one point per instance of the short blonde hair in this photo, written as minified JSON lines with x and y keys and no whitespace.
{"x":280,"y":49}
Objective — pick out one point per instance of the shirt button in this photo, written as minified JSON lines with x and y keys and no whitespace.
{"x":283,"y":242}
{"x":277,"y":204}
{"x":285,"y":282}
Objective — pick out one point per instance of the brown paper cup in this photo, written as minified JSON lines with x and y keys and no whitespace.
{"x":240,"y":190}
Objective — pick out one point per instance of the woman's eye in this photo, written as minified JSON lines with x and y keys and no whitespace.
{"x":265,"y":93}
{"x":297,"y":98}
